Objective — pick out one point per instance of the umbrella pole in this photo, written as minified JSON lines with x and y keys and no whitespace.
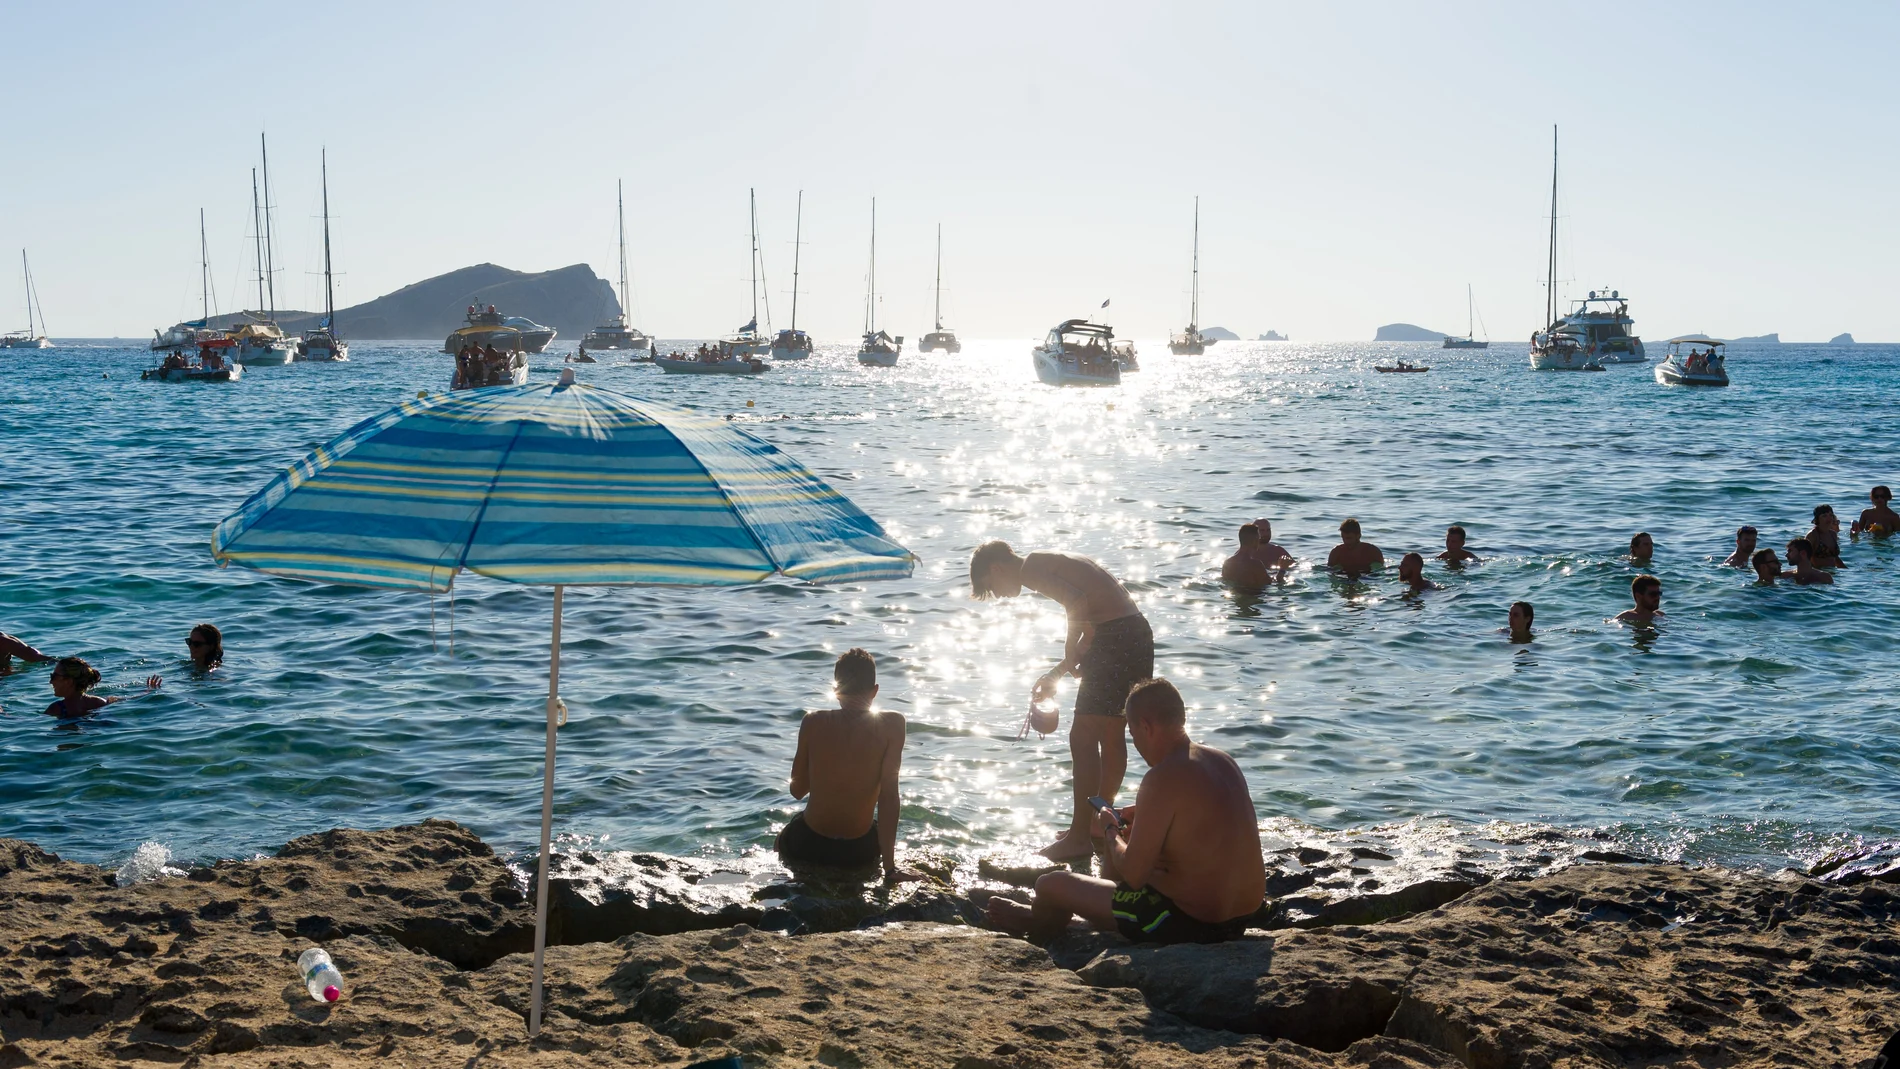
{"x":547,"y":818}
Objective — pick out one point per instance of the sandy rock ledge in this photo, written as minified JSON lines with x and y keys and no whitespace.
{"x":1598,"y":965}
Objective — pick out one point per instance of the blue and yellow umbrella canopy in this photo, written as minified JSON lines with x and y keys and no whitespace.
{"x":560,"y":484}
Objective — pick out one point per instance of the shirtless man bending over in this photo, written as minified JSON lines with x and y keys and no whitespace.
{"x":1352,"y":556}
{"x":1185,"y":868}
{"x":847,"y":762}
{"x":1109,"y":645}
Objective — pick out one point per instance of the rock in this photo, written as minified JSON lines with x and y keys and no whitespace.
{"x":1841,"y":339}
{"x":1407,"y":332}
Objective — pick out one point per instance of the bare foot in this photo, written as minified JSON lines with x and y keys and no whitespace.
{"x":1073,"y":844}
{"x":1008,"y":915}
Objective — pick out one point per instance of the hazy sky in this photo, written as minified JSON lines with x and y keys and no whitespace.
{"x":1730,"y":167}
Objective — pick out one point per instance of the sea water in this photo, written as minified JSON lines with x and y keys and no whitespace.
{"x":1755,"y":727}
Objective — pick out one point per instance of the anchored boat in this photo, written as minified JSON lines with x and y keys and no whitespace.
{"x":479,"y":364}
{"x":939,"y":339}
{"x":1191,"y":342}
{"x":213,"y":364}
{"x":259,"y":342}
{"x":1469,"y":341}
{"x":1602,"y":325}
{"x":619,"y":333}
{"x":1078,"y":353}
{"x":878,"y":349}
{"x":28,"y":338}
{"x":322,"y":344}
{"x":1559,"y":346}
{"x":719,"y":358}
{"x":1705,"y":364}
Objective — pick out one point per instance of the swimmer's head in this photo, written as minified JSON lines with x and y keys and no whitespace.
{"x":206,"y":643}
{"x":1881,"y":495}
{"x":1765,"y":563}
{"x":1799,"y":551}
{"x":1744,"y":536}
{"x":1521,"y":616}
{"x":1646,"y":591}
{"x":1349,"y":530}
{"x":1642,"y":546}
{"x":75,"y":671}
{"x":1249,"y":536}
{"x":1411,"y":568}
{"x":1454,"y":537}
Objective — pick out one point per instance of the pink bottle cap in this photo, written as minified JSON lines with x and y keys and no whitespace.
{"x":331,"y":994}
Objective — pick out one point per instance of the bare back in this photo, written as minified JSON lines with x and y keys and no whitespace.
{"x":1355,"y":557}
{"x":1084,"y":588}
{"x":844,"y":755}
{"x":1210,"y":862}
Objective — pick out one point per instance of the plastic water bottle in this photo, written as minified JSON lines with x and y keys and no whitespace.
{"x":319,"y":975}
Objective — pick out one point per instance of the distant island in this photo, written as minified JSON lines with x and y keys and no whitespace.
{"x":1841,"y":339}
{"x":1219,"y":334}
{"x":1407,"y":332}
{"x":573,"y":300}
{"x":1271,"y":335}
{"x":1759,"y":339}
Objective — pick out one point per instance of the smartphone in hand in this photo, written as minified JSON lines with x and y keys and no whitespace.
{"x":1100,"y":803}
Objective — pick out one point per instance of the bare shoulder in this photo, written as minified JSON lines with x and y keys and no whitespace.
{"x":890,"y":723}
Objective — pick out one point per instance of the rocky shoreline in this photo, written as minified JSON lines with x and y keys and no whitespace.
{"x":667,"y":961}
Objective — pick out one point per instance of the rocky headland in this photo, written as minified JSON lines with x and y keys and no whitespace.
{"x":667,"y":961}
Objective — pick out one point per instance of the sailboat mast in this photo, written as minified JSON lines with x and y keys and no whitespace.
{"x":753,"y":197}
{"x":938,"y":314}
{"x":870,"y":294}
{"x":26,"y":283}
{"x":204,"y":270}
{"x":1468,"y":312}
{"x":798,"y":238}
{"x":270,"y":249}
{"x":1550,"y":283}
{"x":329,"y":291}
{"x":1194,"y":310}
{"x":257,"y":239}
{"x":620,"y":201}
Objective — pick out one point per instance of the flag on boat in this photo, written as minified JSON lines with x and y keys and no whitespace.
{"x":1104,"y":304}
{"x":751,"y":325}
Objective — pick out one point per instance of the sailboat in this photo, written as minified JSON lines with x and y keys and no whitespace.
{"x":1190,"y":342}
{"x":28,"y":338}
{"x":1468,"y":341}
{"x":792,"y":343}
{"x":259,"y":342}
{"x":1555,"y":348}
{"x":940,"y":338}
{"x":619,"y":333}
{"x":878,"y":348}
{"x":322,"y":343}
{"x":749,"y":340}
{"x":189,"y":333}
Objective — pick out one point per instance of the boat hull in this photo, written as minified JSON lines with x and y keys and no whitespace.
{"x":615,"y":342}
{"x":25,"y":343}
{"x":228,"y":373}
{"x":939,"y":342}
{"x":1673,"y":375}
{"x":1563,"y":360}
{"x":710,"y":367}
{"x":790,"y":354}
{"x":1187,"y":348}
{"x":877,"y":359}
{"x":323,"y":349}
{"x":263,"y":353}
{"x":1062,"y":373}
{"x":1465,"y":343}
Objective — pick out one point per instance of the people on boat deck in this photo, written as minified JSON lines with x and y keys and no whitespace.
{"x":1880,"y":519}
{"x":1646,"y":592}
{"x":1804,"y":573}
{"x":11,"y":647}
{"x":1642,"y":547}
{"x":1109,"y":644}
{"x":1825,"y":537}
{"x":1412,"y":574}
{"x":1183,"y":864}
{"x":1744,"y":548}
{"x":1244,"y":569}
{"x":846,"y":766}
{"x":1351,"y":556}
{"x":73,"y":680}
{"x":1267,"y":552}
{"x":1767,"y":566}
{"x":206,"y":645}
{"x":1518,"y":621}
{"x":1455,"y":552}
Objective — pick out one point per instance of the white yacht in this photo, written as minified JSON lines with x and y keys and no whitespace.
{"x":1705,"y":364}
{"x":619,"y":333}
{"x":878,"y":349}
{"x":1558,"y":347}
{"x":259,"y":342}
{"x":1602,"y":325}
{"x":1078,"y":353}
{"x":28,"y":338}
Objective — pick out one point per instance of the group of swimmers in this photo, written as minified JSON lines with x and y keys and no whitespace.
{"x":73,"y":678}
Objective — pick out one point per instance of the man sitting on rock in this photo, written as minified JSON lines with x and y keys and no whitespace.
{"x":847,"y":761}
{"x":1185,"y":868}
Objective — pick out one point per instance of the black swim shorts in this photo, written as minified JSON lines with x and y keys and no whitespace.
{"x":1121,"y":654}
{"x":801,"y":845}
{"x":1144,"y":915}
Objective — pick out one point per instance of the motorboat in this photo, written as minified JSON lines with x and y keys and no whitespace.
{"x":747,"y":341}
{"x":1705,"y":363}
{"x":791,"y":344}
{"x":880,"y":349}
{"x":1601,"y":322}
{"x":719,"y":359}
{"x":482,"y":327}
{"x":261,"y":344}
{"x":618,"y":333}
{"x":214,"y":364}
{"x":490,"y":365}
{"x":28,"y":338}
{"x":1470,"y":340}
{"x":1124,"y":353}
{"x":1078,"y":353}
{"x":534,"y":336}
{"x":1561,"y":346}
{"x":1401,"y":367}
{"x":322,"y":344}
{"x":939,"y":339}
{"x":1191,"y":342}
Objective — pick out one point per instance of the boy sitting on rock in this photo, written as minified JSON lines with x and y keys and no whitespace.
{"x":1186,"y":868}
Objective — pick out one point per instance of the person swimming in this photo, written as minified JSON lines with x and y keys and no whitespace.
{"x":1351,"y":556}
{"x":1109,"y":644}
{"x":1244,"y":569}
{"x":1455,"y":552}
{"x":72,"y":681}
{"x":1801,"y":556}
{"x":206,"y":644}
{"x":1744,"y":548}
{"x":1642,"y":547}
{"x":1269,"y":553}
{"x":1412,"y":574}
{"x":1825,"y":537}
{"x":1518,"y":621}
{"x":1767,"y":567}
{"x":1646,"y":592}
{"x":1880,"y":519}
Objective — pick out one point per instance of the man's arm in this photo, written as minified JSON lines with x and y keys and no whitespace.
{"x":887,"y":801}
{"x":1132,"y":861}
{"x":801,"y":766}
{"x":13,"y":647}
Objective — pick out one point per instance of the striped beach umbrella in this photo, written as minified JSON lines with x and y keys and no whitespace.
{"x":553,"y":485}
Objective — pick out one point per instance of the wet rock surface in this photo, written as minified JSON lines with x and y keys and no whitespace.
{"x":669,"y":961}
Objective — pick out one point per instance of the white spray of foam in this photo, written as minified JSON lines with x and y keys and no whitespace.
{"x":151,"y":861}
